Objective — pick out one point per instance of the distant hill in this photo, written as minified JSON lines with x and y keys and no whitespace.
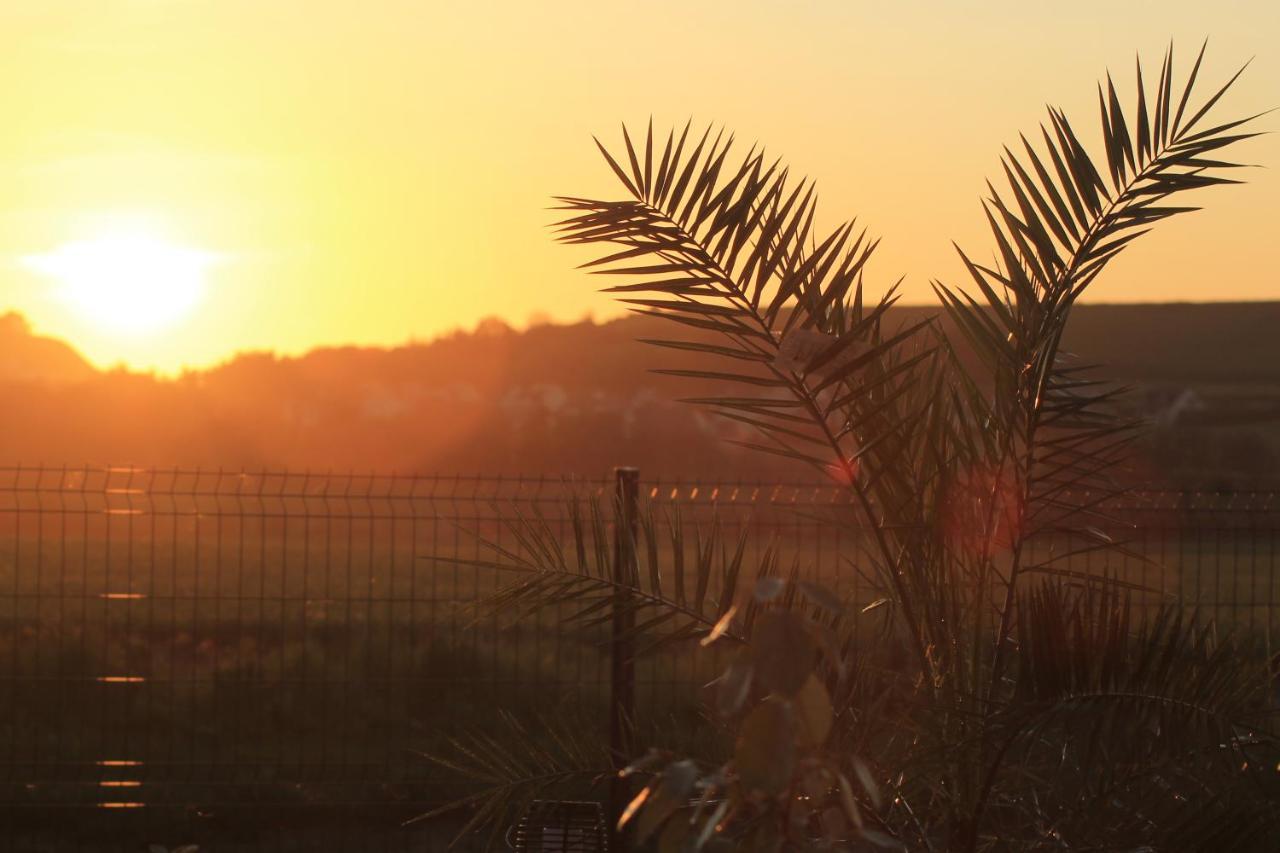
{"x":579,"y":398}
{"x":1227,"y":343}
{"x":25,"y":357}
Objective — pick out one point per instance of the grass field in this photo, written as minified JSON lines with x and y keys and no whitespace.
{"x":266,"y":678}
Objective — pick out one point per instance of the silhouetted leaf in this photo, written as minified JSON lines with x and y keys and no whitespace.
{"x":813,"y":712}
{"x":670,"y":792}
{"x":821,"y":596}
{"x":765,"y":753}
{"x":769,"y":588}
{"x":783,"y":650}
{"x":734,"y":686}
{"x":721,"y":627}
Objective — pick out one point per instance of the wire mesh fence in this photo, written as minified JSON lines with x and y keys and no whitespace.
{"x":255,"y":661}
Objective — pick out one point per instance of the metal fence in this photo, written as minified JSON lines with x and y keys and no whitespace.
{"x":254,"y":661}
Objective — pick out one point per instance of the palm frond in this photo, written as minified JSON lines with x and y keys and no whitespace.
{"x":685,"y":581}
{"x":734,"y":251}
{"x":1113,"y":703}
{"x":1056,"y":230}
{"x":511,"y":768}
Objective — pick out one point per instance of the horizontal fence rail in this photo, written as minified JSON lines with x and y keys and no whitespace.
{"x":257,"y":660}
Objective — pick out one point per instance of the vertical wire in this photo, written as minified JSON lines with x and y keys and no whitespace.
{"x":63,"y":752}
{"x":12,"y":748}
{"x":305,"y":660}
{"x":237,"y":683}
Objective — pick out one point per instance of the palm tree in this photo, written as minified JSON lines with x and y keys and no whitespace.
{"x":1038,"y":709}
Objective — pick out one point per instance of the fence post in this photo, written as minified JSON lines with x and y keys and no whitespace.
{"x":622,"y":681}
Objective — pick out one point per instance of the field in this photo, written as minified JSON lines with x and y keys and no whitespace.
{"x":250,"y":672}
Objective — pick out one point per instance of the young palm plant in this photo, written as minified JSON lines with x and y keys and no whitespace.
{"x":1009,"y":701}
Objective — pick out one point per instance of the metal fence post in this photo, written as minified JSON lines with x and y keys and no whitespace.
{"x":622,"y":681}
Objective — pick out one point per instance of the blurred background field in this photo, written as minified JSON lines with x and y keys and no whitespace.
{"x":193,"y":657}
{"x":580,"y":397}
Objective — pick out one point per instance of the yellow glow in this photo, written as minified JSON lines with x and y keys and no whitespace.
{"x":128,"y":282}
{"x":382,"y":171}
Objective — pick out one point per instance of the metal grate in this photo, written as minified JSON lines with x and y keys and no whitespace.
{"x":561,"y":826}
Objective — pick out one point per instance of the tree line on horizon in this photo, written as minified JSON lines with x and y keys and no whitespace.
{"x":577,"y":398}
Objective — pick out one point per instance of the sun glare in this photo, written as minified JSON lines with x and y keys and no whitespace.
{"x":128,"y":281}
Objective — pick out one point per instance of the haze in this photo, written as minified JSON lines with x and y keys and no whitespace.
{"x":376,"y":172}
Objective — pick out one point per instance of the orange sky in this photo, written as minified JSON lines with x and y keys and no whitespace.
{"x":369,"y":172}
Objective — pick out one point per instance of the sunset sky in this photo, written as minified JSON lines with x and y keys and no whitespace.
{"x":371,"y":172}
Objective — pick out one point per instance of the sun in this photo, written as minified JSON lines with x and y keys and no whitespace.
{"x":127,"y":281}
